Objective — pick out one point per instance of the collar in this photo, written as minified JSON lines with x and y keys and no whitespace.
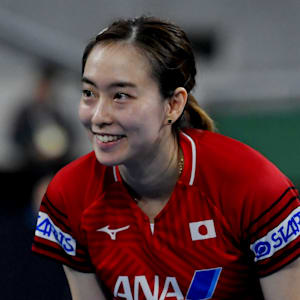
{"x":188,"y":147}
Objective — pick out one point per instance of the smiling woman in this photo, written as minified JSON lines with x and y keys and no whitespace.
{"x":164,"y":207}
{"x":122,"y":107}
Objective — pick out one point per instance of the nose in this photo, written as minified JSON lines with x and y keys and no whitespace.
{"x":102,"y":113}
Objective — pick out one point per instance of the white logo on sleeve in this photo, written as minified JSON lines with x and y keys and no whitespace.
{"x":279,"y":237}
{"x":112,"y":232}
{"x":202,"y":230}
{"x":46,"y":229}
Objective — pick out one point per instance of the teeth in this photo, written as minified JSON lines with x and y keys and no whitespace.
{"x":108,"y":138}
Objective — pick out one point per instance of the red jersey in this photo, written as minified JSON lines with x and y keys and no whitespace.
{"x":233,"y":217}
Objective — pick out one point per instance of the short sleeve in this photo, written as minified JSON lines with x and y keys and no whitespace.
{"x":56,"y":236}
{"x":273,"y":231}
{"x":259,"y":203}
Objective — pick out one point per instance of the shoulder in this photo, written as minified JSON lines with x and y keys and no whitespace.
{"x":231,"y":160}
{"x":77,"y":184}
{"x":218,"y":145}
{"x":237,"y":178}
{"x":79,"y":171}
{"x":59,"y":231}
{"x":255,"y":199}
{"x":81,"y":164}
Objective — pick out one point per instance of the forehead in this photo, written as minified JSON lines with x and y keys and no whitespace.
{"x":117,"y":61}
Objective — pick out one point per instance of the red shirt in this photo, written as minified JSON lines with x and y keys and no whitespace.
{"x":233,"y":217}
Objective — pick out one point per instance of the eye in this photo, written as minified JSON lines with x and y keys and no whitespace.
{"x":121,"y":96}
{"x":87,"y":93}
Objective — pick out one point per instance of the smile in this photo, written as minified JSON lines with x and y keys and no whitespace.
{"x":108,"y":138}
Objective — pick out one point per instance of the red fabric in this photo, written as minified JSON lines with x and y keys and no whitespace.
{"x":235,"y":198}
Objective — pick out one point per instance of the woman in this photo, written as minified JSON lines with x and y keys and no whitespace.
{"x":164,"y":208}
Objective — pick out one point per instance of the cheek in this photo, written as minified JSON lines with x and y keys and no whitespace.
{"x":85,"y":115}
{"x":147,"y":121}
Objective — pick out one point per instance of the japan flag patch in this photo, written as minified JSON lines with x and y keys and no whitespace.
{"x":202,"y":230}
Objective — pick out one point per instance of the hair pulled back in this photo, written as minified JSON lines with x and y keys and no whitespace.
{"x":170,"y":55}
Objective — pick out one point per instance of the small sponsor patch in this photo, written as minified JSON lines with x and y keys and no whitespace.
{"x":47,"y":230}
{"x":202,"y":230}
{"x":286,"y":232}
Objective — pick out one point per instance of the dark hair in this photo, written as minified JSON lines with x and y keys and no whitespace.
{"x":171,"y":57}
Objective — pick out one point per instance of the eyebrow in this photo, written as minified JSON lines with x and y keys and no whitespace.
{"x":88,"y":81}
{"x":111,"y":85}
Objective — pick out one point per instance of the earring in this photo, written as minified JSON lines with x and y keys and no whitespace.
{"x":169,"y":121}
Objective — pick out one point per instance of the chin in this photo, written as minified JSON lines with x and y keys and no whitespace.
{"x":107,"y":159}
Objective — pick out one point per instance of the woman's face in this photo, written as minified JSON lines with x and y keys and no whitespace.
{"x":121,"y":106}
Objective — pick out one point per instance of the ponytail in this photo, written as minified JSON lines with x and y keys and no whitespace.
{"x":196,"y":117}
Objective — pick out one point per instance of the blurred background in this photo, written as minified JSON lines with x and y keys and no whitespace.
{"x":248,"y":56}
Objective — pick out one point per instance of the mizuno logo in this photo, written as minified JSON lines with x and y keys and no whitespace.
{"x":112,"y":232}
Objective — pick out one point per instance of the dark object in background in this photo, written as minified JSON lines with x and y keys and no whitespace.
{"x":205,"y":43}
{"x":41,"y":133}
{"x":24,"y":275}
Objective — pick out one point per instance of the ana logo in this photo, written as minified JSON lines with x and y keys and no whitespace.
{"x":112,"y":232}
{"x":202,"y":286}
{"x":286,"y":232}
{"x":202,"y":230}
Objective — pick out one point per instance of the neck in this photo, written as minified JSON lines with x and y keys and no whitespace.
{"x":156,"y":175}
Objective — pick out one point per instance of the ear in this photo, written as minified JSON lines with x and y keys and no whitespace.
{"x":175,"y":105}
